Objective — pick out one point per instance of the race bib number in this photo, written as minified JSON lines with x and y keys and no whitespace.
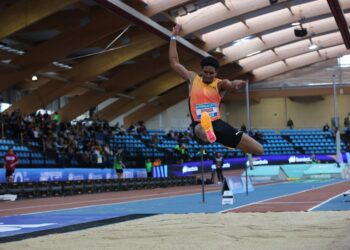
{"x":211,"y":108}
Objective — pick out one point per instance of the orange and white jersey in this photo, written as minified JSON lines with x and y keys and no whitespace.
{"x":205,"y":97}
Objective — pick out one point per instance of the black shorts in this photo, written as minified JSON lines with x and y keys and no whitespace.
{"x":9,"y":172}
{"x":224,"y":132}
{"x":119,"y":171}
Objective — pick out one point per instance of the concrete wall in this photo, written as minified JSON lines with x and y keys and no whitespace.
{"x":268,"y":113}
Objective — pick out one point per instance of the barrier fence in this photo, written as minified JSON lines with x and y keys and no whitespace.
{"x":63,"y":188}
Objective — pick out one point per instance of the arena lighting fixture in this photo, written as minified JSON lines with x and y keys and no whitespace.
{"x":313,"y":46}
{"x":300,"y":32}
{"x":242,"y":40}
{"x":62,"y":65}
{"x":319,"y":84}
{"x":254,"y":53}
{"x":218,"y":50}
{"x":192,"y":7}
{"x":11,"y":50}
{"x":296,"y":24}
{"x":344,"y":61}
{"x":34,"y":78}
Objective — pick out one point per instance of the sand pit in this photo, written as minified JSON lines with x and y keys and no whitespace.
{"x":313,"y":230}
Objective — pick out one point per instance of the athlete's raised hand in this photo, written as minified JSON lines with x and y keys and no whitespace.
{"x":176,"y":29}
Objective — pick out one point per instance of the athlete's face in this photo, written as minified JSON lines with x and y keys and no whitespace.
{"x":208,"y":74}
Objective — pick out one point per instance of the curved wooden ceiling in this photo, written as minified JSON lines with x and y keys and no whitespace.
{"x":99,"y":54}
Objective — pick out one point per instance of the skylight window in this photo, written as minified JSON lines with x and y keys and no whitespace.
{"x":344,"y":61}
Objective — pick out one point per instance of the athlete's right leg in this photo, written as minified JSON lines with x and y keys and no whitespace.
{"x":200,"y":133}
{"x":208,"y":127}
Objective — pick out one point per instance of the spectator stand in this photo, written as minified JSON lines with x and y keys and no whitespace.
{"x":312,"y":141}
{"x":276,"y":144}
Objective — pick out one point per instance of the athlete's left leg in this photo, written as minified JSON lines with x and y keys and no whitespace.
{"x":232,"y":138}
{"x":250,"y":146}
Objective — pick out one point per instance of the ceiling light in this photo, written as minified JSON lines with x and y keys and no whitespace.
{"x":34,"y":78}
{"x":300,"y":32}
{"x":218,"y":50}
{"x":296,"y":24}
{"x":313,"y":46}
{"x":254,"y":53}
{"x":344,"y":61}
{"x":242,"y":40}
{"x":11,"y":50}
{"x":62,"y":65}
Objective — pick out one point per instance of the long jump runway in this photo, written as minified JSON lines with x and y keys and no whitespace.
{"x":30,"y":218}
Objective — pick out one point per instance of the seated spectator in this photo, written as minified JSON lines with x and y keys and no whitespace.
{"x":157,"y":162}
{"x":244,"y":128}
{"x":347,"y":126}
{"x":181,"y":150}
{"x":130,"y":129}
{"x":153,"y":141}
{"x":141,"y":129}
{"x":170,"y":134}
{"x":326,"y":127}
{"x":56,"y":117}
{"x":108,"y":154}
{"x":183,"y":139}
{"x":290,"y":123}
{"x":97,"y":156}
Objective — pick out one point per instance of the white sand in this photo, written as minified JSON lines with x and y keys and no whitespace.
{"x":307,"y":231}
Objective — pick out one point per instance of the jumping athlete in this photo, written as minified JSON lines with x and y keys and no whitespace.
{"x":205,"y":94}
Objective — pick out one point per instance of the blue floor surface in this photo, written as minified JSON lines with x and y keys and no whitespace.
{"x":19,"y":224}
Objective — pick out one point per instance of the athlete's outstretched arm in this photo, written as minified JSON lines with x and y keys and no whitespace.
{"x":231,"y":85}
{"x":174,"y":58}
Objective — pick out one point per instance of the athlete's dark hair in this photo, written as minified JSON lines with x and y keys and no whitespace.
{"x":210,"y":61}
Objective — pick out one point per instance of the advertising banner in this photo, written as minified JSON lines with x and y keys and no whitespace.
{"x":69,"y":174}
{"x":191,"y":168}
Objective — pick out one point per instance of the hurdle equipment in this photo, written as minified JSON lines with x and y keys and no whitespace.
{"x":228,"y":198}
{"x":227,"y":193}
{"x":346,"y":196}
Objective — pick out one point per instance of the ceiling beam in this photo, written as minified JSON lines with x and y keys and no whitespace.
{"x":139,"y":43}
{"x":157,"y":106}
{"x":259,"y":25}
{"x":142,"y":70}
{"x":62,"y":20}
{"x":160,"y":6}
{"x":138,"y":18}
{"x":24,"y":13}
{"x":102,"y":24}
{"x":340,"y":20}
{"x":300,"y":61}
{"x":158,"y":86}
{"x":292,"y":92}
{"x":117,"y":108}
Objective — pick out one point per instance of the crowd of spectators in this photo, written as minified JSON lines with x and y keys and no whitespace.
{"x":86,"y":141}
